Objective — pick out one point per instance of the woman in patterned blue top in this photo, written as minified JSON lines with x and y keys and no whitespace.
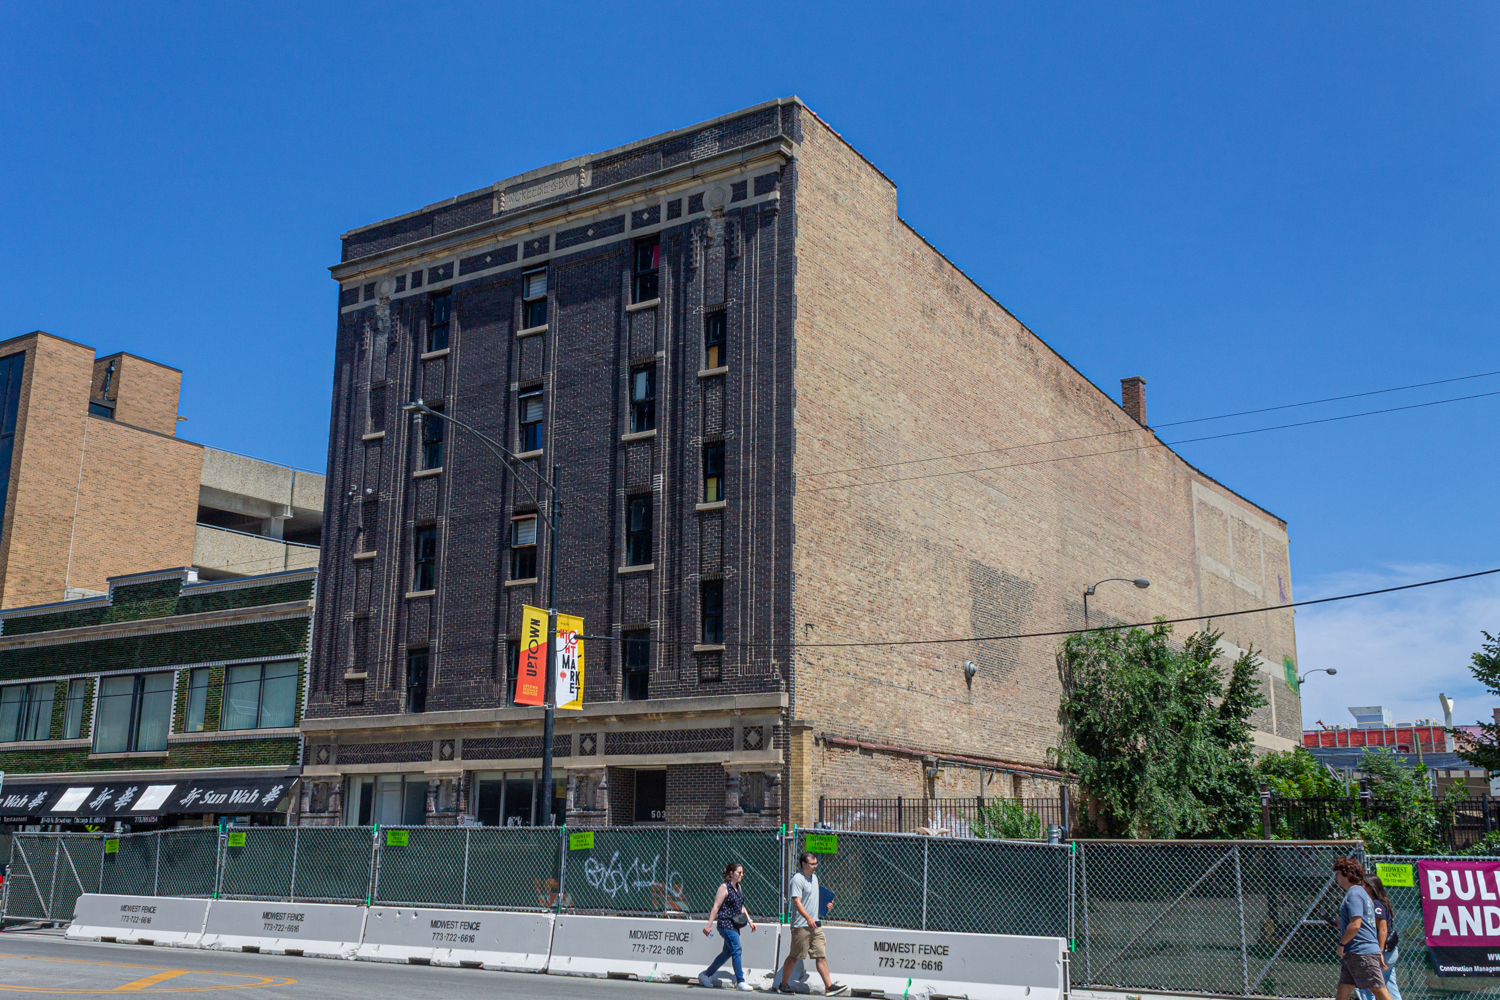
{"x":728,"y":915}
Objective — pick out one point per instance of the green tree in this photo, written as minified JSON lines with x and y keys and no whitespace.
{"x":1297,"y":774}
{"x":1483,"y":750}
{"x":1406,"y":818}
{"x":1007,"y":819}
{"x":1159,"y":735}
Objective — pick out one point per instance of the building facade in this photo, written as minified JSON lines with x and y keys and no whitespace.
{"x":167,"y":701}
{"x":792,"y":438}
{"x":97,"y":484}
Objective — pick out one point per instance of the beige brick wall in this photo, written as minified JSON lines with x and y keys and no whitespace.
{"x":146,"y":394}
{"x":135,"y":493}
{"x":901,"y":359}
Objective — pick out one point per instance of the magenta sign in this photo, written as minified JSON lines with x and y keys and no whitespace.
{"x":1461,"y":916}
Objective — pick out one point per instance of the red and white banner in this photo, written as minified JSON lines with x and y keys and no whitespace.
{"x":1461,"y":916}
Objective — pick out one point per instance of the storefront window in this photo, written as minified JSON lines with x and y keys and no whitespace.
{"x":388,"y":799}
{"x":506,"y":798}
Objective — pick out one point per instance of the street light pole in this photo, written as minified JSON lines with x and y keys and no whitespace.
{"x":554,"y":510}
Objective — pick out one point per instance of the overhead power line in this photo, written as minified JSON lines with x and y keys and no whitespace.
{"x":1129,"y":430}
{"x":1140,"y":447}
{"x":1072,"y":631}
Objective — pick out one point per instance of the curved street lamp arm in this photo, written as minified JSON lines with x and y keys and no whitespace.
{"x":503,"y":453}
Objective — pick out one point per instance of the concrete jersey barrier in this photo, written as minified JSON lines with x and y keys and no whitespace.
{"x":163,"y":920}
{"x":328,"y":930}
{"x":653,"y":949}
{"x":491,"y":939}
{"x":927,"y":963}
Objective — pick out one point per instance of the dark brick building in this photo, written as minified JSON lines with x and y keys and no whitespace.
{"x":701,"y":328}
{"x":161,"y":703}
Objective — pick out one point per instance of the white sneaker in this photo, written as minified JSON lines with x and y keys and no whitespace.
{"x":742,"y":985}
{"x":704,"y":981}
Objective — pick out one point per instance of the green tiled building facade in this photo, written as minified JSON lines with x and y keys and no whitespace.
{"x":166,"y":702}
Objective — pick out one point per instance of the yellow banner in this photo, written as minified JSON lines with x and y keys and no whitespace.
{"x":531,"y":670}
{"x":569,"y":662}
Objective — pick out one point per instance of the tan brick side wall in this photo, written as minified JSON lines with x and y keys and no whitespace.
{"x":147,"y":394}
{"x":137,"y":505}
{"x":900,"y":358}
{"x":44,"y":469}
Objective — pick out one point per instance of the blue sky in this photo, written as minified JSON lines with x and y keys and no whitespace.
{"x":1248,"y":205}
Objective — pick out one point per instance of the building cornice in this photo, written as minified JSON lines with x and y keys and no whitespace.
{"x":665,"y":710}
{"x":157,"y":626}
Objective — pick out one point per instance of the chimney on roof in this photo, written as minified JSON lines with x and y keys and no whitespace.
{"x":1133,"y":398}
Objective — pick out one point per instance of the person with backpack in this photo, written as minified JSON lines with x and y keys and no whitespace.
{"x":729,"y":915}
{"x":1387,"y":934}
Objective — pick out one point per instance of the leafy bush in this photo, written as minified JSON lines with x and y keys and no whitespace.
{"x":1007,"y":819}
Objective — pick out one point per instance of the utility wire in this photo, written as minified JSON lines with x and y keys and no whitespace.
{"x":1070,"y":631}
{"x":1175,"y":423}
{"x":1142,"y":447}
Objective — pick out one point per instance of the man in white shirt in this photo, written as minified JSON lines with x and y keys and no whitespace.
{"x":807,"y":933}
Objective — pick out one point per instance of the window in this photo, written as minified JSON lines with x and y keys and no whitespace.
{"x":714,"y":355}
{"x":437,"y":328}
{"x":713,"y":472}
{"x":26,"y":711}
{"x":388,"y":799}
{"x":416,"y":680}
{"x":424,"y":559}
{"x":534,"y":298}
{"x":532,"y":424}
{"x":197,"y":700}
{"x":523,"y":548}
{"x":712,"y":605}
{"x":73,"y":714}
{"x":510,"y":798}
{"x":377,"y":409}
{"x":134,"y":713}
{"x":637,"y":653}
{"x":638,"y":532}
{"x":643,"y":399}
{"x":101,"y":410}
{"x":260,"y":696}
{"x":513,"y":659}
{"x":647,"y":261}
{"x":432,"y":441}
{"x":651,"y":796}
{"x":10,"y":400}
{"x":752,"y":791}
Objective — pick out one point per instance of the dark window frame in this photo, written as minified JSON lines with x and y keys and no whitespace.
{"x":433,"y":434}
{"x":635,"y":656}
{"x":260,"y":695}
{"x":645,"y":283}
{"x":523,"y":554}
{"x":196,"y":703}
{"x":639,"y":530}
{"x":531,"y":433}
{"x":418,"y":668}
{"x":534,"y":307}
{"x":29,"y":714}
{"x":711,"y":612}
{"x":713,"y":472}
{"x":642,"y":406}
{"x":424,"y":558}
{"x":73,"y":708}
{"x":715,"y":341}
{"x":137,"y":717}
{"x":439,"y":320}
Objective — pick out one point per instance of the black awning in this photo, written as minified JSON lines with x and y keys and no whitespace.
{"x":78,"y":801}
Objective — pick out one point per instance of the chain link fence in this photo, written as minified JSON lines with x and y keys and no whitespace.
{"x":1415,"y":976}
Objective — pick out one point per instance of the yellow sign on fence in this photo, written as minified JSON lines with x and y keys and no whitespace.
{"x":1399,"y":876}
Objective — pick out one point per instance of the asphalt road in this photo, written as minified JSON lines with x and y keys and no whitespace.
{"x":46,"y":964}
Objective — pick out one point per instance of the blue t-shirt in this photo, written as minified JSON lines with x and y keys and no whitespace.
{"x":1357,"y":903}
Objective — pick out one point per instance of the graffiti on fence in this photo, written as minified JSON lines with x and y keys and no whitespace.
{"x":611,"y":879}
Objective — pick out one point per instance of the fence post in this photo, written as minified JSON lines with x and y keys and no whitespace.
{"x":291,"y":889}
{"x":52,"y":889}
{"x":221,"y":858}
{"x":1489,"y":823}
{"x":1088,"y":951}
{"x":1067,"y":825}
{"x":900,"y":819}
{"x":562,"y":868}
{"x":666,"y":876}
{"x":821,"y":800}
{"x":1239,"y":896}
{"x":926,"y":847}
{"x":374,"y":883}
{"x":463,"y":893}
{"x":156,"y":866}
{"x":101,"y":860}
{"x":1265,"y":812}
{"x":1072,"y":892}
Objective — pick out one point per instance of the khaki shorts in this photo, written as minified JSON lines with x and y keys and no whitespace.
{"x":1362,"y":971}
{"x":808,"y":942}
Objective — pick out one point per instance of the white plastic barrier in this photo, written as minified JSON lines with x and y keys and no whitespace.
{"x":162,"y":920}
{"x":653,"y":949}
{"x":326,"y":930}
{"x":926,"y":963}
{"x":514,"y":942}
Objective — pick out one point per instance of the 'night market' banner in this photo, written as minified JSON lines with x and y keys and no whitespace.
{"x":1461,"y":916}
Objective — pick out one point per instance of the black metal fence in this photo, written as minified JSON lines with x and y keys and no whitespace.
{"x":954,"y":817}
{"x":1464,"y":823}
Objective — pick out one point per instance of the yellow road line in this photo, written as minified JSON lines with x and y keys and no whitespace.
{"x":141,"y":984}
